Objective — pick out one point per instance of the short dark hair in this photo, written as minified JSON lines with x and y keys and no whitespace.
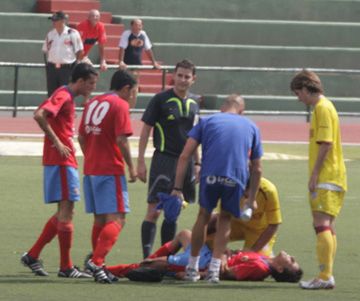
{"x":286,"y":275}
{"x":122,"y":78}
{"x":83,"y":71}
{"x":308,"y":79}
{"x":186,"y":64}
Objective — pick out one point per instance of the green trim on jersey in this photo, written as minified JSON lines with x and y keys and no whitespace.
{"x":162,"y":136}
{"x":178,"y":102}
{"x":189,"y":101}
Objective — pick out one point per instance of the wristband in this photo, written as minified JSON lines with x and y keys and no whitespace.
{"x":177,"y":189}
{"x":197,"y":163}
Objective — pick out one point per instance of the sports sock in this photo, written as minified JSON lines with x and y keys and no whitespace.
{"x":148,"y":232}
{"x":168,"y":231}
{"x":325,"y":250}
{"x":334,"y":246}
{"x":48,"y":233}
{"x":194,"y":262}
{"x":96,"y":229}
{"x":122,"y":269}
{"x":65,"y":236}
{"x":164,"y":250}
{"x":106,"y":240}
{"x":215,"y":265}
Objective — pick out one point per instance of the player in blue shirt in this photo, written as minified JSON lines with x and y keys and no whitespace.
{"x":229,"y":143}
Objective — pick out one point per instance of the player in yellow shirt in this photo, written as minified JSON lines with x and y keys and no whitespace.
{"x":259,"y":233}
{"x":327,"y":183}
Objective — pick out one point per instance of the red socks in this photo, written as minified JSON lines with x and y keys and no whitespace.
{"x":96,"y":230}
{"x":47,"y":234}
{"x":122,"y":269}
{"x":65,"y":235}
{"x":165,"y":250}
{"x":105,"y":242}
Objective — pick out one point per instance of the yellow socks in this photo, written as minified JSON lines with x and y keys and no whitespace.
{"x":325,"y":248}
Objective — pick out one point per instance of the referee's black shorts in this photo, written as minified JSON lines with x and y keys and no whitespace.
{"x":162,"y":177}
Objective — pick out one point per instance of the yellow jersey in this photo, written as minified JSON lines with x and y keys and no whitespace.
{"x":325,"y":127}
{"x":268,"y":209}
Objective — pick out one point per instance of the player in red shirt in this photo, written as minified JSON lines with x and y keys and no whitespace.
{"x":92,"y":31}
{"x":103,"y":133}
{"x":56,"y":117}
{"x":236,"y":265}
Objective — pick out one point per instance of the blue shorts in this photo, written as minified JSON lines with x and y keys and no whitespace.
{"x":215,"y":188}
{"x":61,"y":183}
{"x":106,"y":194}
{"x":182,"y":259}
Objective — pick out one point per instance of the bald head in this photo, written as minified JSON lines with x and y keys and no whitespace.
{"x":136,"y":26}
{"x":234,"y":103}
{"x":94,"y":16}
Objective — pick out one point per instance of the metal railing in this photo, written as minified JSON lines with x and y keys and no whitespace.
{"x":15,"y":108}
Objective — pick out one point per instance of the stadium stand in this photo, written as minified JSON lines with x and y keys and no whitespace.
{"x":255,"y":33}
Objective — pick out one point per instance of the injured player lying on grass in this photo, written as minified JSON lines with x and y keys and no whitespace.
{"x":236,"y":265}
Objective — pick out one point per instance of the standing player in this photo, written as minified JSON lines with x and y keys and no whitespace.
{"x":228,"y":141}
{"x":327,"y":183}
{"x":92,"y":31}
{"x":259,"y":233}
{"x":56,"y":117}
{"x":103,"y":133}
{"x":172,"y":113}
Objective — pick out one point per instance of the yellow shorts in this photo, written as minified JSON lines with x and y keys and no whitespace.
{"x":327,"y":201}
{"x":250,"y":237}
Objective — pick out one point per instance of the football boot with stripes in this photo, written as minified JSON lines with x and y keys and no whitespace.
{"x":35,"y":265}
{"x":73,"y":272}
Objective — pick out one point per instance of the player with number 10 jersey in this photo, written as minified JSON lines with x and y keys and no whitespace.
{"x":105,"y":118}
{"x":103,"y":133}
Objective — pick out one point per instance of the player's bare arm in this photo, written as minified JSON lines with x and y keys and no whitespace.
{"x":144,"y":138}
{"x":123,"y":144}
{"x":40,"y":117}
{"x":265,"y":237}
{"x":255,"y":176}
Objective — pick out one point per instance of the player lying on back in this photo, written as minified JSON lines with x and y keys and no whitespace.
{"x":236,"y":265}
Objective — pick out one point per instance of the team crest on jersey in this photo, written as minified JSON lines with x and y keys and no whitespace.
{"x":137,"y":43}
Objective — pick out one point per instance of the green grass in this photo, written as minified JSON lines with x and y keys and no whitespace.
{"x":23,"y":215}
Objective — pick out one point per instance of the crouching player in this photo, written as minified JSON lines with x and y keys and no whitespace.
{"x":259,"y":233}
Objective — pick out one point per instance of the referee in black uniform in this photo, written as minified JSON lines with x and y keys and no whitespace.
{"x":62,"y":48}
{"x":172,"y":114}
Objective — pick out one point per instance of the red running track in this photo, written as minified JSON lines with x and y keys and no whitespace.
{"x":285,"y":130}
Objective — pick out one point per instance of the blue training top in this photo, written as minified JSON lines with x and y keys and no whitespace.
{"x":228,"y":142}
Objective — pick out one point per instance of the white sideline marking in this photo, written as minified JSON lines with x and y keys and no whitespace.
{"x":30,"y":148}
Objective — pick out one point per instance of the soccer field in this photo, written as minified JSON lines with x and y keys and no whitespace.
{"x":23,"y":215}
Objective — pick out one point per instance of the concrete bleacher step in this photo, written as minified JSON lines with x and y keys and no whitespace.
{"x":112,"y":40}
{"x":250,"y":32}
{"x":315,"y":10}
{"x":45,"y":6}
{"x":152,"y":88}
{"x":154,"y":78}
{"x":79,"y":16}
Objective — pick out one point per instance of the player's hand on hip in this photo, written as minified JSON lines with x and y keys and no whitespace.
{"x":63,"y":149}
{"x":141,"y":171}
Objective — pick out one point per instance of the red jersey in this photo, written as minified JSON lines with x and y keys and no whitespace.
{"x":105,"y":118}
{"x":61,"y":107}
{"x":249,"y":266}
{"x":91,"y":34}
